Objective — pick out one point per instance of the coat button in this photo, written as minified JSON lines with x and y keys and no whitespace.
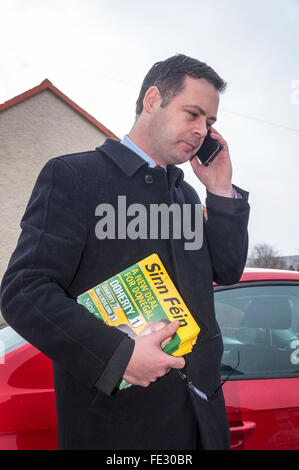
{"x":148,"y":179}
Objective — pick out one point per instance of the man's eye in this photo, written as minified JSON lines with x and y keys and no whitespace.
{"x":194,"y":115}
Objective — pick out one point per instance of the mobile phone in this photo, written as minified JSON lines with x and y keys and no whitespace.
{"x":209,"y":150}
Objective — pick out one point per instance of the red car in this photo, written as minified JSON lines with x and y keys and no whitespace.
{"x":259,"y":320}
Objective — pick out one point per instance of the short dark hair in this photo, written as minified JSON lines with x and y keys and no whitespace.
{"x":169,"y":76}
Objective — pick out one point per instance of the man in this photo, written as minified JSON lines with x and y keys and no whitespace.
{"x":60,"y":255}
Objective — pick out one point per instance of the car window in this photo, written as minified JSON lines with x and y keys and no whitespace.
{"x":9,"y":340}
{"x":260,"y":328}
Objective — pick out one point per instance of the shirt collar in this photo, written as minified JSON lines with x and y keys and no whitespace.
{"x":132,"y":146}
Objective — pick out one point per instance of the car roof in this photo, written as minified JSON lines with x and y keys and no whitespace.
{"x":261,"y":274}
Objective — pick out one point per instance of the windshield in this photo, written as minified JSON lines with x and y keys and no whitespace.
{"x":9,"y":340}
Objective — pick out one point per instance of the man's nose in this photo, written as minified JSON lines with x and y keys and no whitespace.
{"x":200,"y":128}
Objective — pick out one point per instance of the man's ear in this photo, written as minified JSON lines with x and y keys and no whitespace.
{"x":152,"y":100}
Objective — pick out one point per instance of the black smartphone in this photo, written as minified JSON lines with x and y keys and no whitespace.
{"x":209,"y":149}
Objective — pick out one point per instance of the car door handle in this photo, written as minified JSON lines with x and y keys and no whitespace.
{"x":247,"y":427}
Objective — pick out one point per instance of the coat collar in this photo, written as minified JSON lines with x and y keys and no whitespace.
{"x":129,"y":162}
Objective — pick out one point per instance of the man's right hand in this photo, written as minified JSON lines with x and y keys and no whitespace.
{"x":148,"y":362}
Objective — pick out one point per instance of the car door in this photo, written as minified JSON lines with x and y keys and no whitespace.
{"x":260,"y":327}
{"x":27,"y":401}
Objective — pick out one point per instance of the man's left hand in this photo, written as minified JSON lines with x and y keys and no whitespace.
{"x":217,"y":176}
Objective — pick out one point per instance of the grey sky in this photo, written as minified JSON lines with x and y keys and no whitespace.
{"x":97,"y":52}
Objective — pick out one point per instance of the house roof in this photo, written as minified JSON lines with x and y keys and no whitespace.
{"x":47,"y":85}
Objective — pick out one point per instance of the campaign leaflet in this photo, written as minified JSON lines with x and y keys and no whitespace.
{"x":140,"y":300}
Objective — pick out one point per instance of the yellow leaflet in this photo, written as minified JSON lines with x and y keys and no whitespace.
{"x":168,"y":296}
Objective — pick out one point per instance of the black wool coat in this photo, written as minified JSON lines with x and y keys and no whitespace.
{"x":59,"y":256}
